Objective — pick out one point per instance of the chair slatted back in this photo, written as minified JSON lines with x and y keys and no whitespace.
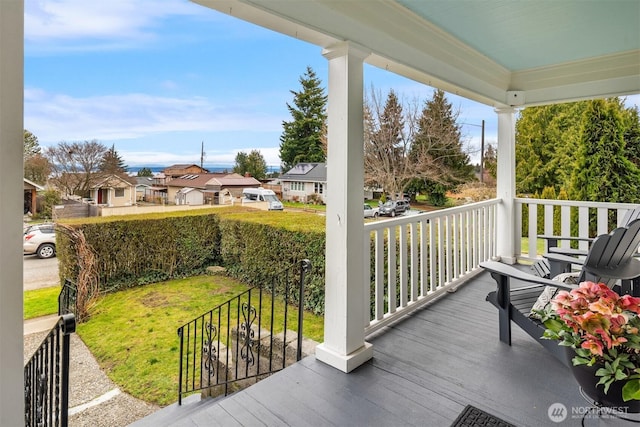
{"x":614,"y":250}
{"x":630,"y":216}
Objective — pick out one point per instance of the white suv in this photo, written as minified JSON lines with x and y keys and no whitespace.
{"x":40,"y":240}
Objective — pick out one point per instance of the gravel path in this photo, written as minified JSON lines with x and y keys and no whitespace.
{"x":94,"y":400}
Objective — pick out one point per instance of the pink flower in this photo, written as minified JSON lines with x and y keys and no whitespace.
{"x":593,"y":345}
{"x":630,"y":303}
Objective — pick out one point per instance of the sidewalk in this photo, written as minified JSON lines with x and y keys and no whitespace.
{"x":94,"y":400}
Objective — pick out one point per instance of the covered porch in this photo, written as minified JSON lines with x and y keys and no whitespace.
{"x":425,"y":369}
{"x":409,"y":365}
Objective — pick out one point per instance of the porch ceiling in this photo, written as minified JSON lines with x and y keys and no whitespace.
{"x":550,"y":51}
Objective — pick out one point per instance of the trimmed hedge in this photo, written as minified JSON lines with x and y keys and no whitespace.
{"x":253,"y":245}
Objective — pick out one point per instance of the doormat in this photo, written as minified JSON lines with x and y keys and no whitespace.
{"x":474,"y":417}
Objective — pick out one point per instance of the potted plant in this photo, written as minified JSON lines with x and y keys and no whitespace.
{"x":601,"y":332}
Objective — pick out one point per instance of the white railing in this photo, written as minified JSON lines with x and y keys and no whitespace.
{"x":571,"y":218}
{"x":415,"y":258}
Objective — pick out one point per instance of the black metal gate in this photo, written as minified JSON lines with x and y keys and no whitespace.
{"x":244,"y":339}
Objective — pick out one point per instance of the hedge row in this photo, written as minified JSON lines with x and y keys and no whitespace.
{"x":254,"y":246}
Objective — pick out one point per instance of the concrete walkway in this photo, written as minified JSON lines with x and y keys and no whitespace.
{"x":94,"y":400}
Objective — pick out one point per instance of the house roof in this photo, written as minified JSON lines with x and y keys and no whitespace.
{"x":235,"y":180}
{"x":193,"y":180}
{"x":144,"y":181}
{"x":205,"y":180}
{"x":497,"y":52}
{"x":306,"y":172}
{"x":109,"y":181}
{"x":30,"y":185}
{"x":182,"y":168}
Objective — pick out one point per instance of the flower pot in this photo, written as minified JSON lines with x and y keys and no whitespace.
{"x":587,"y":379}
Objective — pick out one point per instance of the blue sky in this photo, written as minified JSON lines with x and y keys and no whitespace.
{"x":158,"y":78}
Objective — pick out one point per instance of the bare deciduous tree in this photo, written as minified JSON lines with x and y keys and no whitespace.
{"x":404,"y":144}
{"x":76,"y":165}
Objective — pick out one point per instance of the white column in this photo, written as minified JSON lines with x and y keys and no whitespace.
{"x":506,"y":186}
{"x":344,"y":347}
{"x":11,"y":205}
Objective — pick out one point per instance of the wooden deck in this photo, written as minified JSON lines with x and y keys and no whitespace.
{"x":425,"y":370}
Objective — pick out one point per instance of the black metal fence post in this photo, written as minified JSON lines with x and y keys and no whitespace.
{"x":211,"y":363}
{"x":305,"y":267}
{"x":46,"y":377}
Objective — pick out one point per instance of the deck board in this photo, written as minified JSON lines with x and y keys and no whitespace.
{"x":425,"y":370}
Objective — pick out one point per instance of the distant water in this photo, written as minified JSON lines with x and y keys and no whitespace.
{"x":133,"y":170}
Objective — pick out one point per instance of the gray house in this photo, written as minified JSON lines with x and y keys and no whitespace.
{"x":305,"y":182}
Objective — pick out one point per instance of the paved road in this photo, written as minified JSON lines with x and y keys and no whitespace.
{"x":40,"y":273}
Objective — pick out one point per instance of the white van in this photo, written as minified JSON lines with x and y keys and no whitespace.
{"x":251,"y":195}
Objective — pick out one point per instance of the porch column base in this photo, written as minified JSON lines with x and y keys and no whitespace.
{"x":345,"y":363}
{"x":508,"y":260}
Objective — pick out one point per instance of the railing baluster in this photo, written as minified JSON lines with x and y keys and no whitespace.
{"x":46,"y":377}
{"x":241,"y":311}
{"x":415,"y":258}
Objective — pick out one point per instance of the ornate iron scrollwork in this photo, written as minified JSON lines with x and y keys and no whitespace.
{"x":247,"y":334}
{"x":209,"y":351}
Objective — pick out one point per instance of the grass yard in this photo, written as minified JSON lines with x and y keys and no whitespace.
{"x":132,"y":333}
{"x":41,"y":302}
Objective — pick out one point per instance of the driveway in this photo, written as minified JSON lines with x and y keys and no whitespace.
{"x":39,"y":273}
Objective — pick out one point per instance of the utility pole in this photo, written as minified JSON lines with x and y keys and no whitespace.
{"x":482,"y":154}
{"x":202,"y":155}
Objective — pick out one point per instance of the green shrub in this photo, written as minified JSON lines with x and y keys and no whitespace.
{"x":255,"y":246}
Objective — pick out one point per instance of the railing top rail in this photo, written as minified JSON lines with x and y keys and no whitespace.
{"x":305,"y":264}
{"x":67,"y":325}
{"x":576,"y":203}
{"x":381,"y":224}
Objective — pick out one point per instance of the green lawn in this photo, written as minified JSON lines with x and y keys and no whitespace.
{"x":525,"y":246}
{"x":132,"y":333}
{"x":41,"y":302}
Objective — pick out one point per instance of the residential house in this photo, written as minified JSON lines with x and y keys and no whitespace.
{"x":206,"y":188}
{"x":30,"y":192}
{"x":176,"y":171}
{"x":305,"y":182}
{"x":446,"y":45}
{"x":114,"y":190}
{"x":143,"y":187}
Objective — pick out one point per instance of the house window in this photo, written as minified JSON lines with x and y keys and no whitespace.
{"x":297,"y":186}
{"x":119,"y":192}
{"x":318,"y":188}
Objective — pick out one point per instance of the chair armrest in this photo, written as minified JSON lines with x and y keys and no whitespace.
{"x":552,"y":241}
{"x":573,"y":238}
{"x":562,"y":258}
{"x":512,"y":272}
{"x":568,"y":251}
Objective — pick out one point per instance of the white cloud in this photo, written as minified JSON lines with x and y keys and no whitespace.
{"x":76,"y":19}
{"x":140,"y":158}
{"x":57,"y":117}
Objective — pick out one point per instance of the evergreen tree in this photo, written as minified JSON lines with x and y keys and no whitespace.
{"x":603,"y":173}
{"x":253,"y":164}
{"x":439,"y":142}
{"x":112,"y":163}
{"x":145,"y":172}
{"x":545,"y":146}
{"x":31,"y":145}
{"x":490,"y":162}
{"x":632,"y":133}
{"x":36,"y":167}
{"x":301,"y":140}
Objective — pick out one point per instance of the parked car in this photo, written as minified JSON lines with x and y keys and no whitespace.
{"x":370,"y":212}
{"x":394,"y":207}
{"x":40,"y":240}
